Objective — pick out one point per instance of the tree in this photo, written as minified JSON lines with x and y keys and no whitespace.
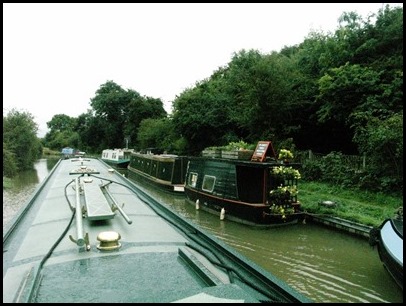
{"x":381,"y":140}
{"x":140,"y":108}
{"x":110,"y":105}
{"x":61,"y":122}
{"x":20,"y":140}
{"x":121,"y":112}
{"x":343,"y":90}
{"x":62,"y":132}
{"x":200,"y":115}
{"x":9,"y":162}
{"x":260,"y":89}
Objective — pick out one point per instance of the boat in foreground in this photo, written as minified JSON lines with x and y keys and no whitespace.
{"x":389,"y":240}
{"x":88,"y":234}
{"x":118,"y":158}
{"x":260,"y":191}
{"x":166,"y":171}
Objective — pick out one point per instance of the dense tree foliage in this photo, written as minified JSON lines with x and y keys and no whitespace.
{"x":62,"y":132}
{"x":21,"y":146}
{"x":139,"y":109}
{"x":160,"y":133}
{"x":110,"y":105}
{"x":335,"y":92}
{"x":200,"y":113}
{"x":382,"y":141}
{"x":329,"y":93}
{"x":112,"y":121}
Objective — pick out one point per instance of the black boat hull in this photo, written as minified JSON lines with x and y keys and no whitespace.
{"x":245,"y":213}
{"x":390,"y":248}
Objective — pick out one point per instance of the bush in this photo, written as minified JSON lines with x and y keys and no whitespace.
{"x":332,"y":168}
{"x":10,"y":168}
{"x":311,"y":170}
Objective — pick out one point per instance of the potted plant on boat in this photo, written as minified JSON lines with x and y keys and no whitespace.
{"x":238,"y":150}
{"x":212,"y":152}
{"x":285,"y":155}
{"x":283,"y":198}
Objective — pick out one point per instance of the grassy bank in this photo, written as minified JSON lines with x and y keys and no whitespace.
{"x":359,"y":206}
{"x":48,"y":152}
{"x":7,"y":183}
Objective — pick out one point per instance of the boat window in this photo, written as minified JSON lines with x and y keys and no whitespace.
{"x":192,"y":179}
{"x":208,"y":183}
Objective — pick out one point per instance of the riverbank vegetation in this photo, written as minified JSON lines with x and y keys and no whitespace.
{"x":364,"y":207}
{"x":21,"y":146}
{"x":48,"y":152}
{"x":349,"y":186}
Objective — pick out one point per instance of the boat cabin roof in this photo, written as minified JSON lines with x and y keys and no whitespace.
{"x":138,"y":251}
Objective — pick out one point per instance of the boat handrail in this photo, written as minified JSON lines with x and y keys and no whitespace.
{"x":115,"y":205}
{"x":81,"y":241}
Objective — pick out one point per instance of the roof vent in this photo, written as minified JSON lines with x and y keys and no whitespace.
{"x":109,"y":241}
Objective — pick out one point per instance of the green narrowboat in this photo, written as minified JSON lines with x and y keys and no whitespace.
{"x":261,"y":191}
{"x":166,"y":171}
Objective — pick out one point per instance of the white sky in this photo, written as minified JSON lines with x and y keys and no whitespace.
{"x":56,"y":56}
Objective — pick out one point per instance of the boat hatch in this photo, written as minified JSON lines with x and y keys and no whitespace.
{"x":108,"y":241}
{"x":97,"y":206}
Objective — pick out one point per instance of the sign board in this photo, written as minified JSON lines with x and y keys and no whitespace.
{"x":263,"y":149}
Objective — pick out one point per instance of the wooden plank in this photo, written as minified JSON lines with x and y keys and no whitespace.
{"x":97,"y":207}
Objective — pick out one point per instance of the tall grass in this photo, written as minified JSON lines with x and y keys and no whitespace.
{"x":359,"y":206}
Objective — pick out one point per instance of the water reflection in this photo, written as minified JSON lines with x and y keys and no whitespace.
{"x":326,"y":265}
{"x":23,"y":186}
{"x":51,"y":162}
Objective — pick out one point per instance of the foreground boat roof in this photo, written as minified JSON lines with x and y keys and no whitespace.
{"x":138,"y":251}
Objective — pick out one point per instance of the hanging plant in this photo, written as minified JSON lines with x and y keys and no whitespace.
{"x":287,"y":173}
{"x":279,"y":196}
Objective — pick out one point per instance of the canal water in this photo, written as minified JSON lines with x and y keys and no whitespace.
{"x":325,"y":265}
{"x":24,"y":184}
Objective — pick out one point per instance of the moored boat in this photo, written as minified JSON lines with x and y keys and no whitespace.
{"x":261,"y":191}
{"x":71,"y":153}
{"x":166,"y":171}
{"x":75,"y":241}
{"x":389,"y":240}
{"x":118,"y":158}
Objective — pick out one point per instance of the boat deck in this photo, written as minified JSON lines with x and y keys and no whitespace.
{"x":51,"y":254}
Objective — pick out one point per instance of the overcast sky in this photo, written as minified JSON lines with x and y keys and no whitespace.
{"x":56,"y":56}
